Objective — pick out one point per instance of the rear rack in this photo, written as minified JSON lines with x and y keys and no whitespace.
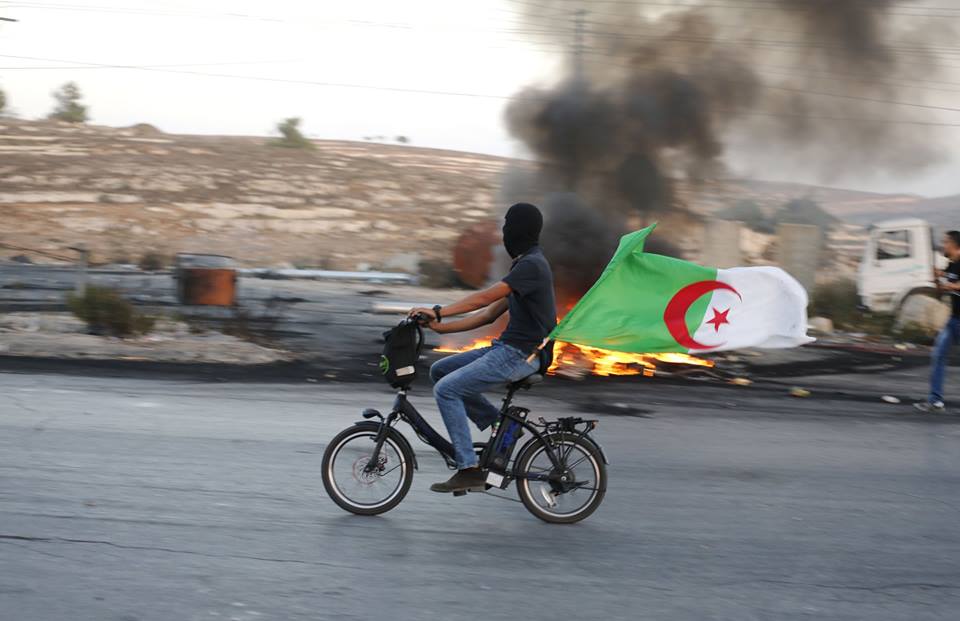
{"x":568,"y":424}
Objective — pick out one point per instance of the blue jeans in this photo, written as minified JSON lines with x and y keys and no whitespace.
{"x":950,"y":335}
{"x":459,"y":383}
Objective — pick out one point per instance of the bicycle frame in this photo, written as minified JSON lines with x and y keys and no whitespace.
{"x":404,"y":410}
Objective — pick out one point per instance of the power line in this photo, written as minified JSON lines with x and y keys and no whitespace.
{"x":79,"y":65}
{"x":419,"y":91}
{"x":762,"y":43}
{"x":132,"y":11}
{"x":840,"y":95}
{"x":842,"y":119}
{"x":580,"y":50}
{"x":279,"y":80}
{"x":657,"y":36}
{"x":906,"y":83}
{"x":639,"y":4}
{"x":123,"y":10}
{"x":791,"y":72}
{"x":953,"y":52}
{"x":753,"y":7}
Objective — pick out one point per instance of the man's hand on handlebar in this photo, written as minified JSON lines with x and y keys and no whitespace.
{"x":426,"y":316}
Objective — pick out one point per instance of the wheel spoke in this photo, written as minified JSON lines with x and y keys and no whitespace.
{"x":543,"y":494}
{"x":383,"y":474}
{"x":577,"y":463}
{"x":359,"y":486}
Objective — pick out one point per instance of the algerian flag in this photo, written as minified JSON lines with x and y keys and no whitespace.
{"x":648,"y":303}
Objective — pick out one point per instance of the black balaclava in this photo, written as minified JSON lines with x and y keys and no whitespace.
{"x":521,"y":229}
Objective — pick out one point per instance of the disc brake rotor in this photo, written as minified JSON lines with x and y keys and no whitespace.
{"x":368,"y":477}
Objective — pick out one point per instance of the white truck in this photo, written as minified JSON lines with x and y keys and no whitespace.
{"x":897,"y":263}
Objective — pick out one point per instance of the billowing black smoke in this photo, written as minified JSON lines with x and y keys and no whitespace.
{"x":795,"y":85}
{"x":580,"y":241}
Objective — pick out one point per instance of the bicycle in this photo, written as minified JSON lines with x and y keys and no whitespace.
{"x":560,"y":471}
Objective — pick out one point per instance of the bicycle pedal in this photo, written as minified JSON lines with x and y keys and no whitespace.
{"x":460,"y":493}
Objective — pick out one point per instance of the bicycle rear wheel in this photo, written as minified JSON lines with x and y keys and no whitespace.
{"x":574,"y":489}
{"x":352,"y":485}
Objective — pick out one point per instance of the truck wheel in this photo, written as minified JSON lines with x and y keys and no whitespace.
{"x":927,"y":292}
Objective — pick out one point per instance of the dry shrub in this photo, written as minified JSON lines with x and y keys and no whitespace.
{"x":107,"y":312}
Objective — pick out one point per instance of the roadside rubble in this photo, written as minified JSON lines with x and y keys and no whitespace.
{"x":61,"y":335}
{"x":820,"y":326}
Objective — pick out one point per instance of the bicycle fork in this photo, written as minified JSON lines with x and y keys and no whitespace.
{"x":385,"y":424}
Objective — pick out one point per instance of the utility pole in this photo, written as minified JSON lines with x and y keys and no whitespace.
{"x":80,"y":287}
{"x":578,"y":31}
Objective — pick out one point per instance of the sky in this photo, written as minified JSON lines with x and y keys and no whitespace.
{"x":438,"y":72}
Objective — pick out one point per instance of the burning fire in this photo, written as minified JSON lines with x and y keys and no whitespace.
{"x":576,"y":359}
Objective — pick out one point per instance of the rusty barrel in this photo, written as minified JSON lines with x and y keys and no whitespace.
{"x":473,"y":253}
{"x":206,"y":280}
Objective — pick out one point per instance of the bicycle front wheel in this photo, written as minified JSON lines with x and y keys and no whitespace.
{"x":356,"y":487}
{"x":561,"y":493}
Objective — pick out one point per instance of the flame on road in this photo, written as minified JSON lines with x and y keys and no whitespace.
{"x":580,"y":359}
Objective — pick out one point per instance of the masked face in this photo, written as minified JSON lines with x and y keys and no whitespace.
{"x":521,"y":229}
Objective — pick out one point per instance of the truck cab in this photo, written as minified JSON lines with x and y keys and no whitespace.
{"x":897,"y":262}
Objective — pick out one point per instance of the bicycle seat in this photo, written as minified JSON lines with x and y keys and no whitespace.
{"x":526,"y":382}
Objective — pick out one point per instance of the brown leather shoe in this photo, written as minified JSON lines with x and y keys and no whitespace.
{"x":466,"y":480}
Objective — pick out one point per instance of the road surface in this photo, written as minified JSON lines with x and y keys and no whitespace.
{"x":132,"y":499}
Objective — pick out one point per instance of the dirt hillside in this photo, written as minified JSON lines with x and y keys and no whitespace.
{"x":126,"y":192}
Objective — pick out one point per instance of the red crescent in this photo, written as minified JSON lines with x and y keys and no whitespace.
{"x":675,"y":316}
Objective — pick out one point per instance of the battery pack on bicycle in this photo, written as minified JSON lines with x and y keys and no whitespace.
{"x":503,"y":439}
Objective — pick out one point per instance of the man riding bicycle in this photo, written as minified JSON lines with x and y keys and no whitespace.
{"x":526,"y":292}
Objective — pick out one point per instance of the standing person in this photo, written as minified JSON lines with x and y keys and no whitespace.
{"x":948,"y":281}
{"x":460,"y":380}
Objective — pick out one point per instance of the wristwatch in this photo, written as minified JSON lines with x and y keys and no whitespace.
{"x":436,"y":311}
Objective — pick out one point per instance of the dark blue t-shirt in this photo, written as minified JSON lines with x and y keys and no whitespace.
{"x":533,"y":310}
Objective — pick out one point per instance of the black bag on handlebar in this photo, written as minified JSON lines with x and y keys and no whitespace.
{"x":401,"y":350}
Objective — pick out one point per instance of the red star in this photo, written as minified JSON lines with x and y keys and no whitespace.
{"x":719,"y":318}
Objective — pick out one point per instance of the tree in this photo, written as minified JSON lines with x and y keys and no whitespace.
{"x":3,"y":102}
{"x":69,"y":108}
{"x":292,"y":137}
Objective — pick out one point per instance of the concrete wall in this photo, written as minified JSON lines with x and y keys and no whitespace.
{"x":798,"y":252}
{"x":721,"y":244}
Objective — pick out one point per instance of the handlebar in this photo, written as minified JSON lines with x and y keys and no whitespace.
{"x":420,"y":318}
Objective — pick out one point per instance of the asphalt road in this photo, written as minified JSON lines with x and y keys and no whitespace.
{"x":130,"y":499}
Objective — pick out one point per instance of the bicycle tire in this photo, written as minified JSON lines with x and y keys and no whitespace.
{"x":533,"y":449}
{"x":395,"y":441}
